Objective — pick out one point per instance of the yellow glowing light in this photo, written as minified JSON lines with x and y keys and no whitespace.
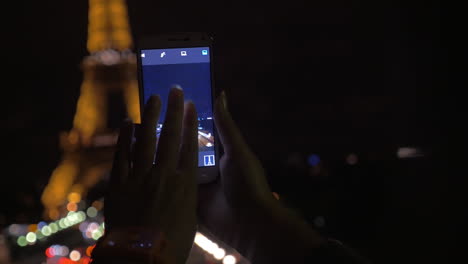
{"x":74,"y":197}
{"x":75,"y":255}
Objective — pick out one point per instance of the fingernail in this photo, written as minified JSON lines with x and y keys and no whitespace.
{"x":176,"y":92}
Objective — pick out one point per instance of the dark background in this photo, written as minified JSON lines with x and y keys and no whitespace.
{"x":327,"y":77}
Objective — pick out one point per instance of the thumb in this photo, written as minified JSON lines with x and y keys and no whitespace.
{"x":230,"y":135}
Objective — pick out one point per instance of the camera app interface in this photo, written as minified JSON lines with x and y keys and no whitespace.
{"x":190,"y":69}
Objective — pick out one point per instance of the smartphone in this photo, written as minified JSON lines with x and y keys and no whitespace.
{"x":184,"y":59}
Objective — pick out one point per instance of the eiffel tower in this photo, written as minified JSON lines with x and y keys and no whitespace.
{"x":88,"y":147}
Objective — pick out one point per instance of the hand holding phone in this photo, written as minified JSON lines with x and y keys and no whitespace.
{"x":183,"y":60}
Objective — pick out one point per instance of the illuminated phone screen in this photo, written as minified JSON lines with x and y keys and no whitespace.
{"x":190,"y":68}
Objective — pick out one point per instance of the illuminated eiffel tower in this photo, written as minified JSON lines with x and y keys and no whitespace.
{"x":88,"y":146}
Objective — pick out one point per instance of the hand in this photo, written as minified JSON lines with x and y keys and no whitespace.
{"x":159,"y":196}
{"x":241,"y":211}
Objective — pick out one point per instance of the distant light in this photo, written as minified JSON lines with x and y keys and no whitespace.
{"x":54,"y":214}
{"x":81,"y":216}
{"x":31,"y":237}
{"x":22,"y":241}
{"x":46,"y":230}
{"x":96,"y":234}
{"x":41,"y":224}
{"x":32,"y":228}
{"x":14,"y":229}
{"x":93,"y":226}
{"x":83,"y":227}
{"x":75,"y":255}
{"x":313,"y":160}
{"x":319,"y":221}
{"x":91,"y":212}
{"x":62,"y":223}
{"x":219,"y":253}
{"x":50,"y":252}
{"x":229,"y":259}
{"x":352,"y":159}
{"x":72,"y":218}
{"x":72,"y":207}
{"x":409,"y":152}
{"x":97,"y":204}
{"x":74,"y":197}
{"x":53,"y":227}
{"x":89,"y":250}
{"x":209,"y":144}
{"x":66,"y":222}
{"x":64,"y":250}
{"x":142,"y":55}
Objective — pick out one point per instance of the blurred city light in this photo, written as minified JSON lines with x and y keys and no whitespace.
{"x":31,"y":237}
{"x":409,"y":152}
{"x":219,"y":253}
{"x":229,"y":259}
{"x":352,"y":159}
{"x":91,"y":212}
{"x":72,"y":207}
{"x":46,"y":231}
{"x":313,"y":160}
{"x":74,"y":197}
{"x":21,"y":241}
{"x":75,"y":255}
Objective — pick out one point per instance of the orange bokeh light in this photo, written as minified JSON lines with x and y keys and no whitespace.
{"x":32,"y":228}
{"x":72,"y":207}
{"x":97,"y":204}
{"x":89,"y":250}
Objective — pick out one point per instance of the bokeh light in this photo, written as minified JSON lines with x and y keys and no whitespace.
{"x":229,"y":259}
{"x":31,"y":237}
{"x":91,"y":212}
{"x":219,"y":253}
{"x":72,"y":207}
{"x":75,"y":255}
{"x":313,"y":160}
{"x":21,"y":241}
{"x":74,"y":197}
{"x":352,"y":159}
{"x":46,"y":231}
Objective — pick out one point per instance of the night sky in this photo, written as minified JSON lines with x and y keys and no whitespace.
{"x":331,"y":77}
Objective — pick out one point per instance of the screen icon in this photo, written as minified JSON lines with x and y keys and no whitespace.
{"x":204,"y":52}
{"x":163,"y":54}
{"x":183,"y":53}
{"x":208,"y":160}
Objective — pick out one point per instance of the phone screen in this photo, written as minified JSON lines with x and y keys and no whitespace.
{"x":190,"y":69}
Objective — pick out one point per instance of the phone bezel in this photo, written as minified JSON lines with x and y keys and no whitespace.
{"x":184,"y":40}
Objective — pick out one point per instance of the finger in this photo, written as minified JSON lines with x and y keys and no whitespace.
{"x":146,"y":139}
{"x":189,"y":150}
{"x":121,"y":164}
{"x":169,"y":142}
{"x":229,"y":133}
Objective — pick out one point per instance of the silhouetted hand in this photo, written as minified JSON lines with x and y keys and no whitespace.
{"x":159,"y":196}
{"x":241,"y":210}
